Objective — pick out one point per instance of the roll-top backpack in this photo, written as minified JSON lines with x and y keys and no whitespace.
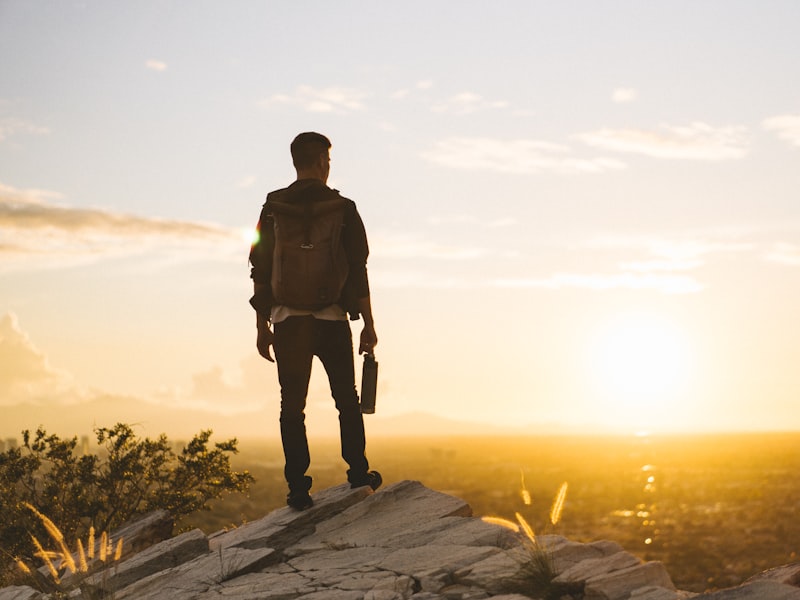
{"x":309,"y":264}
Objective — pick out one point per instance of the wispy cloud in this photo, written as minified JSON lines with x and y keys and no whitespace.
{"x":624,"y":95}
{"x":514,"y":156}
{"x":398,"y":278}
{"x":667,"y":254}
{"x":57,"y":234}
{"x":467,"y":103}
{"x":246,"y":182}
{"x":786,"y":126}
{"x":669,"y":284}
{"x":10,"y":126}
{"x":674,"y":249}
{"x":696,"y":141}
{"x":784,"y":253}
{"x":661,"y":268}
{"x":463,"y":219}
{"x":156,"y":65}
{"x":407,"y":246}
{"x":335,"y":99}
{"x":647,"y":266}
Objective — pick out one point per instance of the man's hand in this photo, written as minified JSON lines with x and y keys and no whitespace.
{"x":264,"y":341}
{"x":369,"y":339}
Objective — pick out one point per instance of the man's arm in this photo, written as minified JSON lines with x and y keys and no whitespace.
{"x":261,"y":273}
{"x":369,"y":339}
{"x":265,"y":335}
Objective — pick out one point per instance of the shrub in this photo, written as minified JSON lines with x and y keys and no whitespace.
{"x":129,"y":476}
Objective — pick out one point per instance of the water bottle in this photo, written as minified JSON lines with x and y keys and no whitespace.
{"x":369,"y":384}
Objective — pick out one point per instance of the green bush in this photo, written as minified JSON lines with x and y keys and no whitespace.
{"x":128,"y":477}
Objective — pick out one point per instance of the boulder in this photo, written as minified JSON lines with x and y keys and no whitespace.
{"x":757,"y":590}
{"x":788,"y":574}
{"x":169,"y":553}
{"x":20,"y":592}
{"x":403,"y":542}
{"x":619,"y":584}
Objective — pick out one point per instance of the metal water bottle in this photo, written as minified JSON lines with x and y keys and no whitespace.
{"x":369,"y":384}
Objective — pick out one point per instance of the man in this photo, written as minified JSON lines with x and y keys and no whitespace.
{"x":301,"y":332}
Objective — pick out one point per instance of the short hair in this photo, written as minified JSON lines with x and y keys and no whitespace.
{"x":307,"y":147}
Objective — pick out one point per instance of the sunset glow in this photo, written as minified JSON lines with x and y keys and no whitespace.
{"x":642,"y":364}
{"x":581,"y":216}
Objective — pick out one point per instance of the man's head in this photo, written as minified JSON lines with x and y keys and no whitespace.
{"x":311,"y":155}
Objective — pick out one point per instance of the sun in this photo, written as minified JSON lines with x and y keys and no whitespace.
{"x":640,"y":364}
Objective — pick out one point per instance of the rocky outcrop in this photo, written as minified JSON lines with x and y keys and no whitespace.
{"x":402,"y":542}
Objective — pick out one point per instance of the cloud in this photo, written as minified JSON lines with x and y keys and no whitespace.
{"x":246,"y":182}
{"x":404,"y":92}
{"x":405,"y":279}
{"x":786,"y":126}
{"x":467,"y":103}
{"x":646,"y":266}
{"x":156,"y":65}
{"x":657,"y":270}
{"x":784,"y":254}
{"x":494,"y":223}
{"x":27,"y":378}
{"x":52,"y":235}
{"x":330,"y":99}
{"x":400,"y":246}
{"x":213,"y":391}
{"x":25,"y":373}
{"x":668,"y":284}
{"x":624,"y":95}
{"x":696,"y":141}
{"x":11,"y":126}
{"x":678,"y":251}
{"x":514,"y":156}
{"x":665,"y":255}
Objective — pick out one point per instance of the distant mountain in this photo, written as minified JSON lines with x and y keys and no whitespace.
{"x":181,"y":423}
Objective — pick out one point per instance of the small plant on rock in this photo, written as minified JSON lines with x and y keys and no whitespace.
{"x":538,"y":571}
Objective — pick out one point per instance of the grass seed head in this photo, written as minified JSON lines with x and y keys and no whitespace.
{"x":103,"y":546}
{"x":558,"y":504}
{"x":23,"y":567}
{"x":90,"y":543}
{"x":83,"y":566}
{"x":526,"y":528}
{"x":502,"y":523}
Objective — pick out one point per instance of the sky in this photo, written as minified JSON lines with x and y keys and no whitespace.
{"x":582,"y":216}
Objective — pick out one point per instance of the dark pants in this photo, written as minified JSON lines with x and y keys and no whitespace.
{"x":297,"y":341}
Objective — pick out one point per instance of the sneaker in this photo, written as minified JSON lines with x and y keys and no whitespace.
{"x":373,"y":479}
{"x":298,"y":497}
{"x":299,"y":500}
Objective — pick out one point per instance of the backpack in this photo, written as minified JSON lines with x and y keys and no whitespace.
{"x":309,"y":264}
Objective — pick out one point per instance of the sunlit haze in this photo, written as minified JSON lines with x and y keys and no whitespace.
{"x":582,"y":216}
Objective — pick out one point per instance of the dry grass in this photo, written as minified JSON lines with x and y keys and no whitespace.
{"x":537,"y":568}
{"x":63,"y":559}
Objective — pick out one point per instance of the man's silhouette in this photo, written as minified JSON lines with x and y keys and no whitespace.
{"x":302,"y":333}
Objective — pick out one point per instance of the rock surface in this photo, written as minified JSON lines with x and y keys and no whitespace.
{"x":403,"y":542}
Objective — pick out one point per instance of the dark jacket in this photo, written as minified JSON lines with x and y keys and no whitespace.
{"x":354,"y":240}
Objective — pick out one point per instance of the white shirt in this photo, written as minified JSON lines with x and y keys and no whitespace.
{"x":334,"y":312}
